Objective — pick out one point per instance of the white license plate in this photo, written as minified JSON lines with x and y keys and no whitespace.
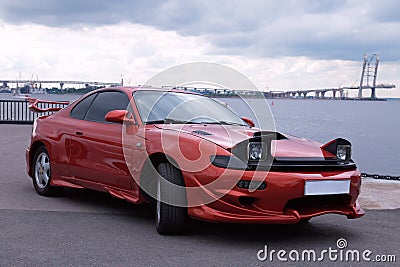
{"x":330,"y":187}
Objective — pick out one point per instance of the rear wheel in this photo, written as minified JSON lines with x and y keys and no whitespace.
{"x":170,"y":219}
{"x":42,"y":174}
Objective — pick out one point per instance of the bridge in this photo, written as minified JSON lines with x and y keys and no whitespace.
{"x":369,"y":72}
{"x":335,"y":93}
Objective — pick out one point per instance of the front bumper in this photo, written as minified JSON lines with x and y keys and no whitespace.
{"x":283,"y":201}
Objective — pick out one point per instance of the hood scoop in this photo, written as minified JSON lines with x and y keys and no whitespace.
{"x":200,"y":132}
{"x":275,"y":135}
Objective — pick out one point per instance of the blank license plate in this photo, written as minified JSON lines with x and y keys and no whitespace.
{"x":313,"y":188}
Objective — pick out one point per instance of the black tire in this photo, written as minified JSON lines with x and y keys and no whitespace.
{"x":304,"y":221}
{"x":170,"y":219}
{"x":41,"y":174}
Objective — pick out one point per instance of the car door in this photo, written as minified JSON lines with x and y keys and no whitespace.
{"x":96,"y":153}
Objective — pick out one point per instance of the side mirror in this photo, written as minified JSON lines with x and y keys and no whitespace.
{"x":120,"y":116}
{"x":248,"y":121}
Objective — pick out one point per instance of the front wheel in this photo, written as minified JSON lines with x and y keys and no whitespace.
{"x":304,"y":221}
{"x":170,"y":218}
{"x":42,"y":174}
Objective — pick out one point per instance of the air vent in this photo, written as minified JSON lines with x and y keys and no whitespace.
{"x":200,"y":132}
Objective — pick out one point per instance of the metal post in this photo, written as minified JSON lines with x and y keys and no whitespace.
{"x":373,"y":94}
{"x":362,"y":76}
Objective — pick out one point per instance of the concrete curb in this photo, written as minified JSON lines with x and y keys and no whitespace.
{"x":379,"y":194}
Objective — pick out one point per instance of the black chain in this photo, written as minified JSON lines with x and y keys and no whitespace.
{"x":383,"y":177}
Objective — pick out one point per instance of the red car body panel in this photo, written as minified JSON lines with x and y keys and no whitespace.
{"x":90,"y":155}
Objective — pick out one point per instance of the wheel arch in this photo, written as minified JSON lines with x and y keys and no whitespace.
{"x":148,"y":176}
{"x":32,"y":151}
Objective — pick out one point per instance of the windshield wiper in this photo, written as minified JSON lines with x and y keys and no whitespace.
{"x":170,"y":121}
{"x":224,"y":123}
{"x":232,"y":123}
{"x":174,"y":121}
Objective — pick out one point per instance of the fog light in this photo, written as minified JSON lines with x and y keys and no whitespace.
{"x":246,"y":201}
{"x":245,"y":184}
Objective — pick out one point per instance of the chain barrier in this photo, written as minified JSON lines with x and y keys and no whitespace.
{"x":382,"y":177}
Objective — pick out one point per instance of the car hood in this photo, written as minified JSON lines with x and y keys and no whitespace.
{"x":228,"y":136}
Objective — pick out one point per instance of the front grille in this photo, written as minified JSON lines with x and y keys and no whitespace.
{"x":296,"y":166}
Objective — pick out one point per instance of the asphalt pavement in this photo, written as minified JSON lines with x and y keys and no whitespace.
{"x":87,"y":228}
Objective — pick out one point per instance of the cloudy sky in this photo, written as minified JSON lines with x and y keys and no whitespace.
{"x":277,"y":44}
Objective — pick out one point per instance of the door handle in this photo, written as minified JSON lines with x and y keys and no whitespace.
{"x":79,"y":133}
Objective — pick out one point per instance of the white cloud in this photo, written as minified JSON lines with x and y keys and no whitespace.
{"x":100,"y":53}
{"x":320,"y":29}
{"x":103,"y":53}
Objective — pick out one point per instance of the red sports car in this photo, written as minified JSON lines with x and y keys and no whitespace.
{"x":193,"y":156}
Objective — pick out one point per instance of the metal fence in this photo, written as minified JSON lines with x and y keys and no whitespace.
{"x":17,"y":111}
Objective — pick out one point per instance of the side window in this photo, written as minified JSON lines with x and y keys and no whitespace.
{"x":79,"y":111}
{"x":104,"y":103}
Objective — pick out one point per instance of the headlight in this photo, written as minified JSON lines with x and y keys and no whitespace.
{"x":256,"y":151}
{"x":343,"y":152}
{"x":339,"y":147}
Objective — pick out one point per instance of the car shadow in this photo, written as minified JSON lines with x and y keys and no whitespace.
{"x":320,"y":229}
{"x":316,"y":231}
{"x":103,"y":202}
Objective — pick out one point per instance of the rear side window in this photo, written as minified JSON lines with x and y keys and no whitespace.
{"x":79,"y":111}
{"x":104,"y":103}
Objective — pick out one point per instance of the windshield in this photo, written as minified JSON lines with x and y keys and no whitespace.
{"x":175,"y":107}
